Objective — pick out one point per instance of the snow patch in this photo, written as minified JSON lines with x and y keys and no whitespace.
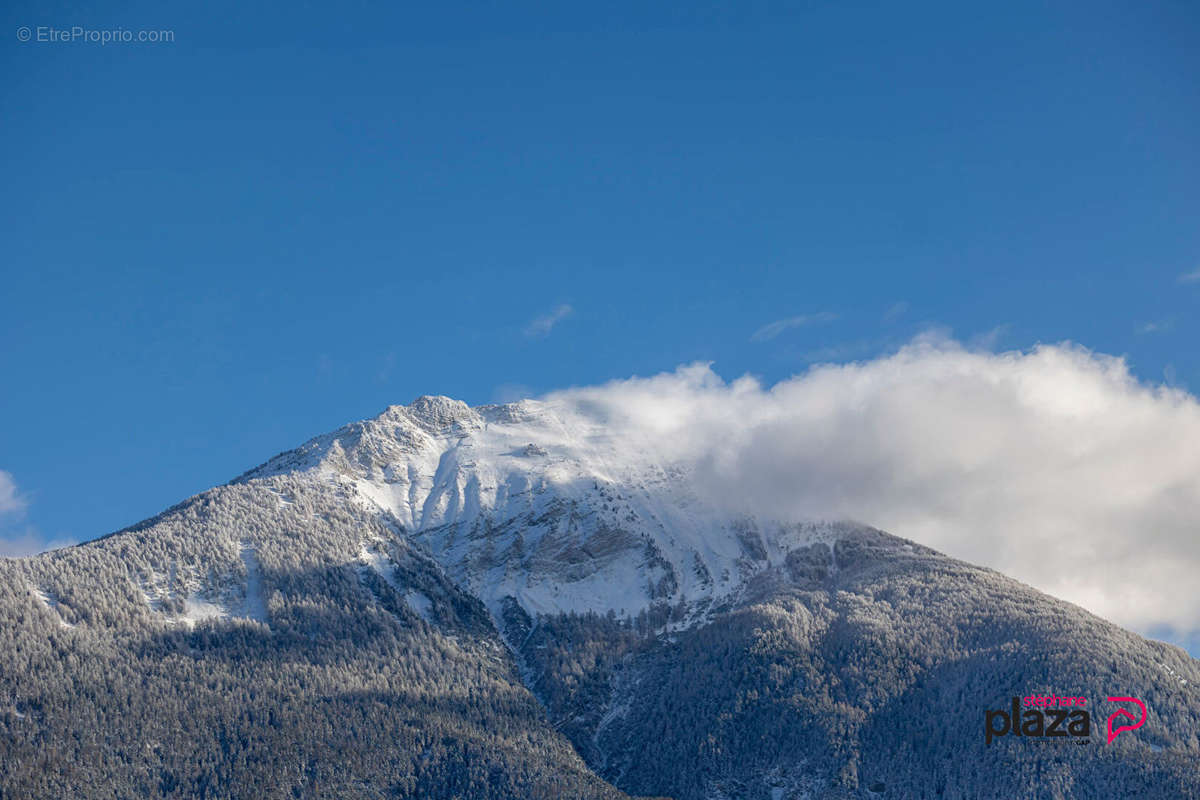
{"x":1174,"y":674}
{"x":197,"y":609}
{"x":49,"y":600}
{"x":420,"y":604}
{"x":231,"y":599}
{"x":254,"y":606}
{"x":380,"y":564}
{"x":416,"y":600}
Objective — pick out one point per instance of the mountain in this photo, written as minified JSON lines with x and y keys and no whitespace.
{"x":511,"y":602}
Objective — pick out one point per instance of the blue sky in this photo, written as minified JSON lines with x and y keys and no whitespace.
{"x":289,"y":218}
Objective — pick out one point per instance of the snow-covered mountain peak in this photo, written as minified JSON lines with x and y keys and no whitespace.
{"x":538,"y":503}
{"x":436,"y":413}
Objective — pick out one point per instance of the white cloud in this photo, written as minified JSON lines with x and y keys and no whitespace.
{"x":773,"y":329}
{"x":1054,"y":465}
{"x":26,"y":542}
{"x":1158,"y":326}
{"x":11,"y":501}
{"x":542,"y":325}
{"x":1190,"y":277}
{"x":988,"y":340}
{"x":17,"y":537}
{"x":848,"y":350}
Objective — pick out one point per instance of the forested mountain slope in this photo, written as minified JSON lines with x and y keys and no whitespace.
{"x":242,"y":645}
{"x":505,"y":602}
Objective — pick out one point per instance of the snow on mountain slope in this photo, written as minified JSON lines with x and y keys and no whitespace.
{"x":524,"y":501}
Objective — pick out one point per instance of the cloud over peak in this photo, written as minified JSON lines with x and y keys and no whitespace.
{"x":1054,"y":465}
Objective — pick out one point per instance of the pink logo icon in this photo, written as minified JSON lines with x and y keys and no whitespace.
{"x":1112,"y":732}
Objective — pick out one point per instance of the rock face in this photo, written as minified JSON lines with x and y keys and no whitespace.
{"x":502,"y":602}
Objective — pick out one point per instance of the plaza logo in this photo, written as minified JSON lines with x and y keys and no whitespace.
{"x":1048,"y":717}
{"x":1112,"y":732}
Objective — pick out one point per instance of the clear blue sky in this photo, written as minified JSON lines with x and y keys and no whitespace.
{"x":292,"y":217}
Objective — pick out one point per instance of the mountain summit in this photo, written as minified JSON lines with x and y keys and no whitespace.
{"x":512,"y":602}
{"x":520,"y":503}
